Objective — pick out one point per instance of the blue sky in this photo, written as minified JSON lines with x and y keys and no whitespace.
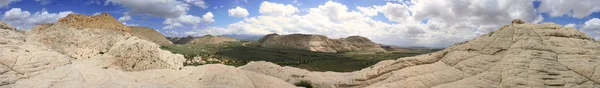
{"x":433,"y":23}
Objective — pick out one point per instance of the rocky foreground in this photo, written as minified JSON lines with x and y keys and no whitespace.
{"x":64,"y":55}
{"x":319,"y":43}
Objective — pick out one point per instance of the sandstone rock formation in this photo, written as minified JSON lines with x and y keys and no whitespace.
{"x":149,"y":34}
{"x":46,"y":58}
{"x":210,"y":39}
{"x":516,"y":55}
{"x":319,"y":43}
{"x":4,"y":25}
{"x":103,"y":37}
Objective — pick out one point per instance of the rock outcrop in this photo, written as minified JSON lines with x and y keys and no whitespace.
{"x":319,"y":43}
{"x":43,"y":59}
{"x":103,"y":37}
{"x":517,"y":55}
{"x":210,"y":39}
{"x":149,"y":34}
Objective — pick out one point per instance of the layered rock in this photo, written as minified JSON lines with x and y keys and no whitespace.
{"x":103,"y":37}
{"x":149,"y":34}
{"x":26,"y":63}
{"x":319,"y":43}
{"x":516,"y":55}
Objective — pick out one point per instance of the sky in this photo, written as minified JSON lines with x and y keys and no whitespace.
{"x":429,"y":23}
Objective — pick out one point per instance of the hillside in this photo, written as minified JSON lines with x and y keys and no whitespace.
{"x":149,"y":34}
{"x":210,"y":39}
{"x":319,"y":43}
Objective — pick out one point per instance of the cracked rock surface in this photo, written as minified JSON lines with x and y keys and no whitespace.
{"x":60,"y":56}
{"x":516,"y":55}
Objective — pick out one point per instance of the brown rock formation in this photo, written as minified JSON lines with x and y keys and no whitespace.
{"x":102,"y":21}
{"x":103,"y":37}
{"x":319,"y":43}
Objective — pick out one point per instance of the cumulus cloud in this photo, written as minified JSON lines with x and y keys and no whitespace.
{"x":125,"y":18}
{"x":162,"y":8}
{"x":173,"y":23}
{"x":394,"y":12}
{"x":198,"y":3}
{"x":238,"y":12}
{"x":274,"y":9}
{"x":25,"y":20}
{"x":434,"y":23}
{"x":368,"y":11}
{"x":178,"y":22}
{"x":208,"y":18}
{"x":592,"y":27}
{"x":573,"y":8}
{"x":571,"y":25}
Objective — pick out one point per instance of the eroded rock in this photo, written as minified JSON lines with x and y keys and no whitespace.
{"x":516,"y":55}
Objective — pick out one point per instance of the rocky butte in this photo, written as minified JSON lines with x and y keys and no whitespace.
{"x":319,"y":43}
{"x":61,"y":55}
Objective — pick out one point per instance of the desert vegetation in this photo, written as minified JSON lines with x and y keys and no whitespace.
{"x":236,"y":54}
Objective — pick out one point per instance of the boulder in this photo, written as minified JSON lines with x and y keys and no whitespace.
{"x":516,"y":55}
{"x":319,"y":43}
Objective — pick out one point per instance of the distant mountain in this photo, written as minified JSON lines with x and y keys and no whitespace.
{"x":319,"y":43}
{"x":206,"y":39}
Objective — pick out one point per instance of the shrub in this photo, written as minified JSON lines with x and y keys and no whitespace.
{"x":304,"y":84}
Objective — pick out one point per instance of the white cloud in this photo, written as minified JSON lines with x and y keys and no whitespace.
{"x":238,"y":12}
{"x":125,"y":18}
{"x":434,"y":23}
{"x":368,"y":11}
{"x":394,"y":12}
{"x":178,"y":22}
{"x":96,"y":13}
{"x":43,"y":2}
{"x":25,"y":20}
{"x":592,"y":27}
{"x":571,"y":25}
{"x":208,"y":18}
{"x":573,"y":8}
{"x":198,"y":3}
{"x":274,"y":9}
{"x":162,"y":8}
{"x":173,"y":23}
